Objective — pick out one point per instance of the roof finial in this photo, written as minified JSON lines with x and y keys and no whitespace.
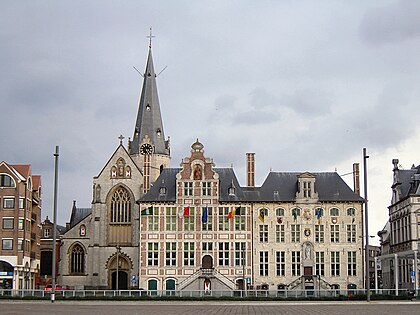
{"x":121,"y":137}
{"x":150,"y":38}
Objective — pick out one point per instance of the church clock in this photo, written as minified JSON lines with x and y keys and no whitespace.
{"x":146,"y":149}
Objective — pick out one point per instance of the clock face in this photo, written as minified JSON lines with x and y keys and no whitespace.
{"x":146,"y":149}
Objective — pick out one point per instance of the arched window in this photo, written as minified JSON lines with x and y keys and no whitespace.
{"x":334,"y":212}
{"x":6,"y":181}
{"x":351,"y":212}
{"x":280,"y":212}
{"x":121,"y":206}
{"x":77,"y":260}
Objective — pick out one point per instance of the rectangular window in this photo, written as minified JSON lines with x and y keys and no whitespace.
{"x":153,"y":254}
{"x":20,"y":244}
{"x":8,"y":223}
{"x":47,"y":232}
{"x":8,"y":203}
{"x":189,"y":221}
{"x":20,"y":224}
{"x":295,"y":263}
{"x":239,"y":253}
{"x":307,"y":189}
{"x":223,"y":219}
{"x":188,"y":188}
{"x":335,"y":264}
{"x":335,"y":233}
{"x":319,"y":264}
{"x":240,"y":220}
{"x":189,"y":256}
{"x":295,"y":233}
{"x":280,"y":264}
{"x":279,"y":233}
{"x":319,"y":233}
{"x":351,"y":233}
{"x":7,"y":244}
{"x":21,"y":203}
{"x":224,"y":254}
{"x":153,"y":220}
{"x":263,"y":233}
{"x":264,"y":264}
{"x":170,"y":254}
{"x":206,"y":188}
{"x":207,"y":246}
{"x":208,"y":226}
{"x":351,"y":263}
{"x":171,"y":218}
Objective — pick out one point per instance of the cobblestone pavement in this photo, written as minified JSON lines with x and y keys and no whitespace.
{"x":204,"y":308}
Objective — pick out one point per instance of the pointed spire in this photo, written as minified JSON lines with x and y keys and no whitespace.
{"x":149,"y":120}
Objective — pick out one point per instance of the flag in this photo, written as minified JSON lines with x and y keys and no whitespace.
{"x":205,"y":215}
{"x":236,"y":211}
{"x":186,"y":211}
{"x":318,"y":213}
{"x":147,"y":211}
{"x":262,"y":215}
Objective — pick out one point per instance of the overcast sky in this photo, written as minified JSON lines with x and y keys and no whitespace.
{"x":303,"y":84}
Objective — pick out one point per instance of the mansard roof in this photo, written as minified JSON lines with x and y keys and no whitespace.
{"x":410,"y":180}
{"x":278,"y":187}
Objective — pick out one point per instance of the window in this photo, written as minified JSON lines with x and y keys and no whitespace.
{"x":206,"y":189}
{"x":295,"y":213}
{"x":208,"y":226}
{"x":295,"y":263}
{"x":335,"y":264}
{"x":20,"y":244}
{"x":189,"y":257}
{"x":8,"y":223}
{"x":188,"y":188}
{"x":279,"y":233}
{"x":319,"y":233}
{"x":351,"y":212}
{"x":239,"y":253}
{"x":264,"y":264}
{"x":240,"y":220}
{"x":280,"y":212}
{"x":295,"y":233}
{"x":20,"y":224}
{"x":120,"y":206}
{"x":153,"y":220}
{"x":153,"y":254}
{"x":6,"y":181}
{"x":162,"y":191}
{"x":224,"y":254}
{"x":307,"y":189}
{"x":319,"y":264}
{"x":8,"y":203}
{"x":207,"y":246}
{"x":351,"y":263}
{"x":351,"y":233}
{"x":21,"y":203}
{"x":171,"y":218}
{"x":77,"y":260}
{"x":263,"y":233}
{"x":170,"y":254}
{"x":47,"y":232}
{"x":189,"y":221}
{"x":280,"y":264}
{"x":7,"y":244}
{"x":334,"y":212}
{"x":223,"y":219}
{"x":335,"y":233}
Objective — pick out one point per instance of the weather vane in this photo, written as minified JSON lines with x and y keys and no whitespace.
{"x":150,"y":38}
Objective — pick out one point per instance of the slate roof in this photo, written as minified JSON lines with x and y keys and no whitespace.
{"x":408,"y":183}
{"x":278,"y":187}
{"x":78,"y":214}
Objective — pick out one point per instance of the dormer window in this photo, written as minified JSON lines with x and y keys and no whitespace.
{"x":162,"y":191}
{"x":231,"y":191}
{"x":307,"y":189}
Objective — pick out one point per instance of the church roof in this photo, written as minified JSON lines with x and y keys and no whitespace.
{"x":149,"y":119}
{"x":78,"y":214}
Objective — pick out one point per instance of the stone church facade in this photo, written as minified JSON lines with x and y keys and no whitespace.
{"x":195,"y":227}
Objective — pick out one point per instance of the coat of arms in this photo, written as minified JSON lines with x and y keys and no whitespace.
{"x":334,"y":220}
{"x":307,"y":214}
{"x":307,"y":232}
{"x":279,"y":220}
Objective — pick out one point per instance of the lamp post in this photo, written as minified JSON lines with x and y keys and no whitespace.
{"x":365,"y":157}
{"x":56,"y":155}
{"x":118,"y":247}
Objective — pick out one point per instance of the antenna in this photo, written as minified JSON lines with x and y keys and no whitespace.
{"x":140,"y":72}
{"x":162,"y":71}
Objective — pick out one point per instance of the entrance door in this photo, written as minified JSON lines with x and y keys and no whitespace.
{"x":207,"y":262}
{"x":122,"y":280}
{"x":152,"y":287}
{"x":307,"y":271}
{"x":170,"y":287}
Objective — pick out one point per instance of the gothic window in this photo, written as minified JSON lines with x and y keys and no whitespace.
{"x":120,"y":206}
{"x":77,"y":260}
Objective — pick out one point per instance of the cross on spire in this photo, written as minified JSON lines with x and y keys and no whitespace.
{"x":121,"y":137}
{"x":150,"y":38}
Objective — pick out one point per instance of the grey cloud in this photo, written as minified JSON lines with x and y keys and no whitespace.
{"x":392,"y":23}
{"x":307,"y":102}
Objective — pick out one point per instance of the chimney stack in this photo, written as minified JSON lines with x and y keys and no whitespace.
{"x":250,"y":169}
{"x":356,"y":178}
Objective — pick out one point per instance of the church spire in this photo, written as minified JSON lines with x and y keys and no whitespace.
{"x":149,"y":120}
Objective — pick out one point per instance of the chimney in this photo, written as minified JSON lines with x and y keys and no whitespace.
{"x":356,"y":178}
{"x":250,"y":169}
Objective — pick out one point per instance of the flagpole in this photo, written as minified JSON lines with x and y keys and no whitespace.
{"x":139,"y":246}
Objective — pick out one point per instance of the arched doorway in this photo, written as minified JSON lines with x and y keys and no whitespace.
{"x":170,"y":287}
{"x":152,"y":287}
{"x":240,"y":284}
{"x":124,"y":268}
{"x":122,"y":280}
{"x":207,"y":262}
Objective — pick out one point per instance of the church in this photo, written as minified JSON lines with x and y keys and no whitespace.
{"x":195,"y":228}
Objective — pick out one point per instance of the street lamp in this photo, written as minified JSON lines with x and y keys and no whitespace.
{"x":365,"y":157}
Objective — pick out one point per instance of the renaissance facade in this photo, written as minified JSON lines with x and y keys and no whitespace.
{"x":195,"y":227}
